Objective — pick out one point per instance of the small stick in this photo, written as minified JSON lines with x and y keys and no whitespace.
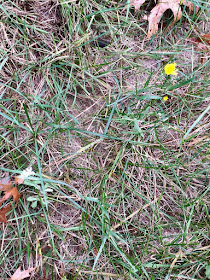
{"x":134,"y":213}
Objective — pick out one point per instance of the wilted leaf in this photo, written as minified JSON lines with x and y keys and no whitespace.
{"x":3,"y":212}
{"x":10,"y":192}
{"x":19,"y":275}
{"x":7,"y":188}
{"x":206,"y":38}
{"x":158,"y":11}
{"x":201,"y":39}
{"x":5,"y":180}
{"x":201,"y":44}
{"x":137,"y":3}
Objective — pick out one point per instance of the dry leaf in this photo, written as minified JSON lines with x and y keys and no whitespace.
{"x":5,"y":185}
{"x":7,"y":188}
{"x":3,"y":212}
{"x":206,"y":38}
{"x":201,"y":39}
{"x":160,"y":8}
{"x":10,"y":192}
{"x":158,"y":11}
{"x":19,"y":275}
{"x":6,"y":179}
{"x":201,"y":46}
{"x":137,"y":3}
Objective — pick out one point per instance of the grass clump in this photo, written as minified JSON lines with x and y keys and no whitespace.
{"x":121,"y":182}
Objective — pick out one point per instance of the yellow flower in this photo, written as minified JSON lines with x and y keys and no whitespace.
{"x":170,"y":69}
{"x":165,"y":98}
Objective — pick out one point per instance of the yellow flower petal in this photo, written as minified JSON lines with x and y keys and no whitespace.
{"x":165,"y":98}
{"x":170,"y":69}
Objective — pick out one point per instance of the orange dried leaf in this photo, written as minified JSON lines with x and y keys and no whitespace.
{"x":206,"y":38}
{"x":5,"y":184}
{"x":5,"y":187}
{"x":19,"y":275}
{"x":3,"y":212}
{"x":10,"y":192}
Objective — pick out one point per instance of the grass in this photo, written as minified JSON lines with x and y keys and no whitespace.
{"x":121,"y":184}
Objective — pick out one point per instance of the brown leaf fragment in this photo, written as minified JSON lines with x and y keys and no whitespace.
{"x":158,"y":11}
{"x":206,"y":38}
{"x":137,"y":3}
{"x":190,"y":5}
{"x":5,"y":184}
{"x":19,"y":275}
{"x":10,"y":192}
{"x":201,"y":39}
{"x":5,"y":180}
{"x":3,"y":212}
{"x":201,"y":44}
{"x":5,"y":187}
